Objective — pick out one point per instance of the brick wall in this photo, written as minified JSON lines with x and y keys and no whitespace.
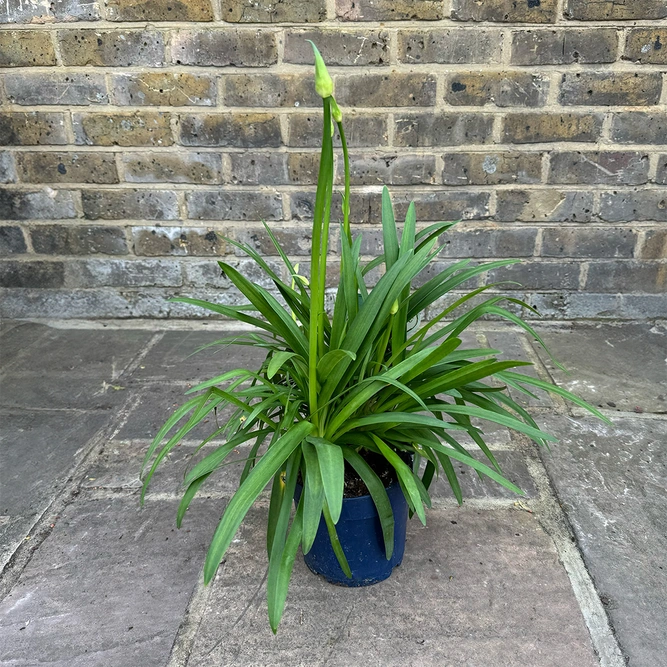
{"x":136,"y":134}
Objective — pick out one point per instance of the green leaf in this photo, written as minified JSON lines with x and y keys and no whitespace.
{"x":313,"y":496}
{"x":408,"y":237}
{"x":389,"y":234}
{"x":278,"y":360}
{"x":450,"y":473}
{"x":204,"y":408}
{"x":379,"y":495}
{"x":189,"y":494}
{"x":281,"y":583}
{"x":437,"y":355}
{"x":387,"y":419}
{"x":247,"y":493}
{"x":332,"y":470}
{"x":330,"y":360}
{"x":209,"y":463}
{"x":272,"y":310}
{"x":228,"y":311}
{"x":510,"y":422}
{"x":176,"y":416}
{"x":405,"y":475}
{"x":477,"y":465}
{"x":276,"y":583}
{"x":335,"y":542}
{"x":555,"y":389}
{"x":252,"y":456}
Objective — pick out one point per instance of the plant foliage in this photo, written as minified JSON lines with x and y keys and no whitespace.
{"x":366,"y":379}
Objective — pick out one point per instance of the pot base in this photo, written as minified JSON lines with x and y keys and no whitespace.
{"x":354,"y":582}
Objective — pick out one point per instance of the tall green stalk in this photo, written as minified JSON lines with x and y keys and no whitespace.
{"x":318,"y":258}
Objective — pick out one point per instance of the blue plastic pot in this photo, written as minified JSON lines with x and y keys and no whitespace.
{"x":360,"y":535}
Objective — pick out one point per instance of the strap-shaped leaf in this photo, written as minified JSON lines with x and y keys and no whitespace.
{"x":175,"y":417}
{"x":554,"y":389}
{"x":252,"y":457}
{"x":272,"y":310}
{"x":330,"y":360}
{"x":213,"y":460}
{"x":208,"y":403}
{"x":477,"y":465}
{"x":450,"y":473}
{"x":278,"y":360}
{"x":461,"y":376}
{"x":510,"y":422}
{"x":388,"y":419}
{"x":274,"y":592}
{"x":379,"y":495}
{"x":247,"y":493}
{"x":408,"y":236}
{"x":389,"y":234}
{"x":189,"y":494}
{"x":228,"y":311}
{"x":405,"y":475}
{"x":436,"y":356}
{"x":280,"y":584}
{"x":313,"y":496}
{"x":332,"y":470}
{"x":366,"y":390}
{"x":335,"y":542}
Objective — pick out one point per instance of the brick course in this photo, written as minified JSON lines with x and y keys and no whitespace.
{"x":132,"y":147}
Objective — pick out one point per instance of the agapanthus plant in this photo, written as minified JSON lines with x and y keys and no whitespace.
{"x":372,"y":381}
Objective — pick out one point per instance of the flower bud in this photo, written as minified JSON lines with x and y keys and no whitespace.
{"x":336,"y":113}
{"x":323,"y":82}
{"x":394,"y":308}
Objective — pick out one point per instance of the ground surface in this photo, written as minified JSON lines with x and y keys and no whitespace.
{"x":574,"y":574}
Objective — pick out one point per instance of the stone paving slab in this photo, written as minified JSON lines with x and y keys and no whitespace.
{"x":476,"y":588}
{"x":55,"y":392}
{"x":156,"y":404}
{"x":65,"y":369}
{"x":78,"y":353}
{"x":39,"y":449}
{"x":108,"y":587}
{"x":513,"y":603}
{"x":118,"y":466}
{"x":6,"y":325}
{"x":17,"y":339}
{"x":174,"y":356}
{"x":615,"y":366}
{"x":612,"y":481}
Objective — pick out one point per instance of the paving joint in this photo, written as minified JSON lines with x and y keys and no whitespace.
{"x":554,"y":521}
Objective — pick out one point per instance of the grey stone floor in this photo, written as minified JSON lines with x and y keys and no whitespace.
{"x":574,"y":574}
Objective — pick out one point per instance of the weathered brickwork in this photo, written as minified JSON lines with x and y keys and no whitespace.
{"x":140,"y":139}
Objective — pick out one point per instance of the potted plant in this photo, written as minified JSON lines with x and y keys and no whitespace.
{"x":368,"y":402}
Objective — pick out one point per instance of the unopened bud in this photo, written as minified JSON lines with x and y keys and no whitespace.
{"x":336,"y":113}
{"x":394,"y":308}
{"x":323,"y":82}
